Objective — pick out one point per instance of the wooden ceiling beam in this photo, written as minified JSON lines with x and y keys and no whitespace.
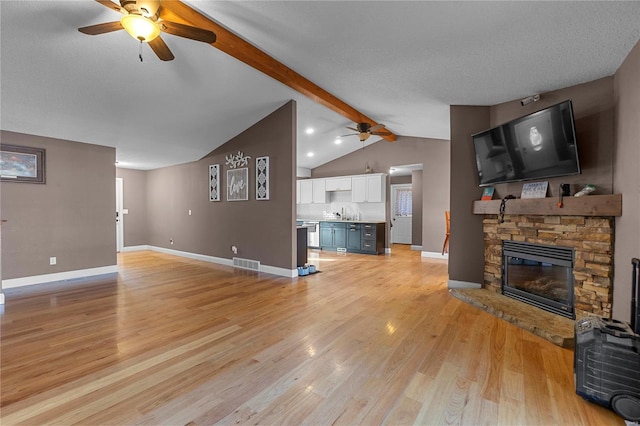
{"x":244,"y":51}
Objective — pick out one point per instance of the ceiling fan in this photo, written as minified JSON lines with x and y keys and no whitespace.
{"x":143,"y":22}
{"x":364,"y":130}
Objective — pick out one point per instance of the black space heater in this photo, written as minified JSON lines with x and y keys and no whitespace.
{"x":606,"y":363}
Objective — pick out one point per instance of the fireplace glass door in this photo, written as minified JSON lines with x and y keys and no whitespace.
{"x":539,"y":275}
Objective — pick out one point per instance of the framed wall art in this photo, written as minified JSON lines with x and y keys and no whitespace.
{"x":214,"y":182}
{"x":238,"y":184}
{"x":262,"y":178}
{"x":22,"y":164}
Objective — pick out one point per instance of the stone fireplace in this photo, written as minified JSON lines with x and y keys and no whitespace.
{"x":590,"y":237}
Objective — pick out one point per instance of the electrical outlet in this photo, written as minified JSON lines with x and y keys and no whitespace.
{"x":189,"y":212}
{"x":171,"y":241}
{"x":52,"y":261}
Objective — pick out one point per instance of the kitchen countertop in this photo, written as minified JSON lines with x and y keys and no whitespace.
{"x":344,"y":221}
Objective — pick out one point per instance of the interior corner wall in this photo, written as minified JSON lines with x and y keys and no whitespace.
{"x":626,"y":179}
{"x":70,"y":217}
{"x":134,"y":200}
{"x":466,"y":242}
{"x":434,"y":156}
{"x":261,"y":230}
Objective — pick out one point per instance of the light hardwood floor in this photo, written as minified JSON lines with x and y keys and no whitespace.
{"x":369,"y":340}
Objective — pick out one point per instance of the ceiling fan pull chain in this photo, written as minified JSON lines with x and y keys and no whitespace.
{"x":140,"y":51}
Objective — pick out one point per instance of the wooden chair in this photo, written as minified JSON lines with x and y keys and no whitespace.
{"x":445,"y":246}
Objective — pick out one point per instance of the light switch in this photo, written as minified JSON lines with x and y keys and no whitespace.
{"x":189,"y":212}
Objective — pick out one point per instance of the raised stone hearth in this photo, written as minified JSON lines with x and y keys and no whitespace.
{"x":552,"y":327}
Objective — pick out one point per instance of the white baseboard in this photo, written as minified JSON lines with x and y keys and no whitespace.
{"x":290,"y":273}
{"x":417,"y":248}
{"x":434,"y":255}
{"x":1,"y":298}
{"x":136,"y":248}
{"x":462,"y":284}
{"x":387,"y":250}
{"x":59,"y":276}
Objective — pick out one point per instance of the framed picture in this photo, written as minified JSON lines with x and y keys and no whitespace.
{"x":214,"y":182}
{"x":238,"y":184}
{"x":262,"y":178}
{"x":22,"y":164}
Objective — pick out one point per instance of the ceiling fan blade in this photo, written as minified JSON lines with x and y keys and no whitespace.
{"x":376,"y":127}
{"x":110,"y":5}
{"x":161,"y":49}
{"x":107,"y":27}
{"x":380,"y":133}
{"x":352,"y":128}
{"x":186,"y":31}
{"x":350,"y":134}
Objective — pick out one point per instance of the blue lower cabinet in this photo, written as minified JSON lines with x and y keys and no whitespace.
{"x":366,"y":238}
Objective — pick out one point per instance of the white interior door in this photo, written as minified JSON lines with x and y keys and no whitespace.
{"x":119,"y":219}
{"x":401,"y":214}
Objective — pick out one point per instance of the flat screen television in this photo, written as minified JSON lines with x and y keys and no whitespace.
{"x":537,"y":146}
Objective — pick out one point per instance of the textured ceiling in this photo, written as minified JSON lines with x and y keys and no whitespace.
{"x":401,"y":63}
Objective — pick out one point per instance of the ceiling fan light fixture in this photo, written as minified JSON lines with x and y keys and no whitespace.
{"x":139,"y":27}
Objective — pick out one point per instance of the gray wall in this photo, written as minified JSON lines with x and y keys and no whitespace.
{"x":626,"y":179}
{"x":262,"y":230}
{"x":71,"y":217}
{"x":134,"y":196}
{"x":432,"y":153}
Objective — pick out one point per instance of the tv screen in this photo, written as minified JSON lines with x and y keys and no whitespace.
{"x":537,"y":146}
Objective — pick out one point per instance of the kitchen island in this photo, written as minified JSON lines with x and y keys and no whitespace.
{"x":353,"y":236}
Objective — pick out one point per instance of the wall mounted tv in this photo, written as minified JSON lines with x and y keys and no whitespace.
{"x":537,"y":146}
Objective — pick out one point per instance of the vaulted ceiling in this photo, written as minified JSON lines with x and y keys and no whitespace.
{"x":401,"y":63}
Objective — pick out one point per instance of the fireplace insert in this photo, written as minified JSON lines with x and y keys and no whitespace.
{"x":539,"y":275}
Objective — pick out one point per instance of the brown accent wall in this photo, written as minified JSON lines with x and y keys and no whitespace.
{"x":626,"y":178}
{"x":70,"y":217}
{"x":432,"y":153}
{"x":262,"y":230}
{"x":134,"y":196}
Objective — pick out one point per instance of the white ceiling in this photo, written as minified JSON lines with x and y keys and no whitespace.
{"x":400,"y":62}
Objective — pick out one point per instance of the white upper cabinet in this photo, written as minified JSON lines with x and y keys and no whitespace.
{"x":338,"y":184}
{"x":319,"y":191}
{"x":368,"y":188}
{"x":306,"y":191}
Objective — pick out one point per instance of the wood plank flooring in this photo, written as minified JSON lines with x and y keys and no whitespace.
{"x":369,"y":340}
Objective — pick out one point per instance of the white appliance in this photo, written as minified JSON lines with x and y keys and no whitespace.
{"x":313,"y":233}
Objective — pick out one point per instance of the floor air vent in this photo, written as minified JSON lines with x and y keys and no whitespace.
{"x":252,"y":265}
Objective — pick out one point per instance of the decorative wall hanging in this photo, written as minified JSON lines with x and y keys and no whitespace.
{"x":262,"y":178}
{"x":238,"y":184}
{"x":238,"y":160}
{"x":22,"y":164}
{"x":214,"y":182}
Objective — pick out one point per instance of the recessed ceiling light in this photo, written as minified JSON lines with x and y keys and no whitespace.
{"x":309,"y":154}
{"x":338,"y":141}
{"x":309,"y":130}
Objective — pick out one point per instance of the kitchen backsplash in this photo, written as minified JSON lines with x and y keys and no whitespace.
{"x":341,"y":202}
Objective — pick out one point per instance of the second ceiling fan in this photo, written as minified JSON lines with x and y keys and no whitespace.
{"x":364,"y":130}
{"x":142,"y":20}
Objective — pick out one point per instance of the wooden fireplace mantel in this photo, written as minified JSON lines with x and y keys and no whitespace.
{"x":588,"y":205}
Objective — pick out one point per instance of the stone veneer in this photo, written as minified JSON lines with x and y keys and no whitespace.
{"x":590,"y":237}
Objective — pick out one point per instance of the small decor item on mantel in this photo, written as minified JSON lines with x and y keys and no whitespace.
{"x":588,"y":189}
{"x":487,"y":193}
{"x":534,"y":190}
{"x":262,"y":178}
{"x":214,"y":182}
